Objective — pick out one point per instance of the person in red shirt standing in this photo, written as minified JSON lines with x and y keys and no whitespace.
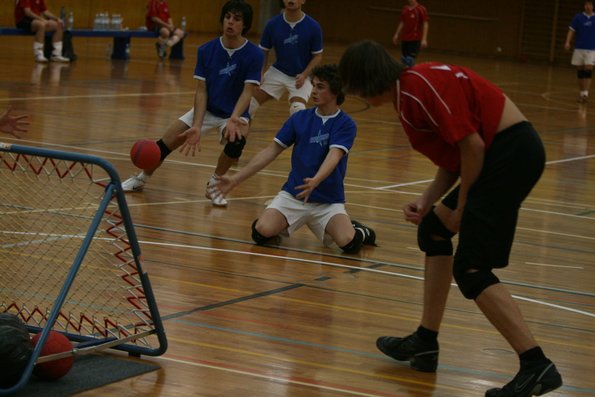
{"x":159,"y":20}
{"x":413,"y":29}
{"x":33,"y":16}
{"x":477,"y":136}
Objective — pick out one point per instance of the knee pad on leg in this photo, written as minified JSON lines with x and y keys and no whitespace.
{"x":296,"y":106}
{"x":234,"y":149}
{"x":588,"y":73}
{"x":165,"y":151}
{"x":258,"y":238}
{"x":472,"y":282}
{"x":433,"y":237}
{"x":355,"y":244}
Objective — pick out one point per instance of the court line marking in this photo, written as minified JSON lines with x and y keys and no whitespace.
{"x":338,"y":265}
{"x":294,"y":381}
{"x":560,"y":266}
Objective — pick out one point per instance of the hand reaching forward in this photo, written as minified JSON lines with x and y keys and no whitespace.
{"x":14,"y":125}
{"x":192,"y":143}
{"x":306,"y":189}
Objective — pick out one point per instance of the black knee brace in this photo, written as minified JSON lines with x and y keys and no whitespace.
{"x":165,"y":151}
{"x":234,"y":149}
{"x":258,"y":238}
{"x":584,"y":74}
{"x":472,"y":282}
{"x":355,"y":244}
{"x":429,"y":231}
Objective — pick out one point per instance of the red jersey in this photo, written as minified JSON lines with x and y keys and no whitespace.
{"x":36,"y":6}
{"x":442,"y":104}
{"x":159,"y":9}
{"x":413,"y":19}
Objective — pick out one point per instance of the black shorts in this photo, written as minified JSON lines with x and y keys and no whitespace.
{"x":512,"y":166}
{"x":410,"y":48}
{"x":25,"y":24}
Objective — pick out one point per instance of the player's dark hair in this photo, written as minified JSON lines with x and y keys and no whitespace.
{"x":238,"y":7}
{"x":330,"y":74}
{"x":368,"y":70}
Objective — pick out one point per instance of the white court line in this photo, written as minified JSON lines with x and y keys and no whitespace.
{"x":339,"y":265}
{"x":267,"y":377}
{"x":137,"y":95}
{"x":591,"y":156}
{"x":403,"y":184}
{"x":560,"y":266}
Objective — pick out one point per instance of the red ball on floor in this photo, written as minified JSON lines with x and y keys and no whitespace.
{"x":55,"y":343}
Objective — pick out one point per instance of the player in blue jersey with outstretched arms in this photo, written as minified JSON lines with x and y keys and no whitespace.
{"x":296,"y":39}
{"x":314,"y":194}
{"x":228,"y":69}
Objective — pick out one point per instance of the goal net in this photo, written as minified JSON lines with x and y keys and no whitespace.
{"x":69,"y":254}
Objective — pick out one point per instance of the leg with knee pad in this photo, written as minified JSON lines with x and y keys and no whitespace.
{"x":258,"y":238}
{"x":296,"y":106}
{"x":234,"y":149}
{"x":355,"y":244}
{"x":472,"y":282}
{"x":433,"y":237}
{"x":165,"y":151}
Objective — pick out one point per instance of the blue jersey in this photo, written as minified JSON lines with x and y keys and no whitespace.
{"x":584,"y":27}
{"x":225,"y":71}
{"x":313,"y":136}
{"x":294,"y":42}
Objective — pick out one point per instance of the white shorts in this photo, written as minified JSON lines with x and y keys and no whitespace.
{"x":275,"y":83}
{"x":209,"y":122}
{"x":315,"y":215}
{"x":583,"y":57}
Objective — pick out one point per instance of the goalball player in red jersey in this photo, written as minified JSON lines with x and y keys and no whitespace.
{"x":479,"y":138}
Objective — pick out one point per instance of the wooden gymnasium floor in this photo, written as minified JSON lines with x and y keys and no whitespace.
{"x":301,"y":320}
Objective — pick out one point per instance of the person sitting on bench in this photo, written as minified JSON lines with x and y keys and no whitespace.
{"x":33,"y":16}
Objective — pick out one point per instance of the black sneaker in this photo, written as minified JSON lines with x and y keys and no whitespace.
{"x":533,"y":380}
{"x":369,"y":234}
{"x":421,"y":355}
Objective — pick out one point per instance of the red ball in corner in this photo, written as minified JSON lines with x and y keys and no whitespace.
{"x":145,"y":154}
{"x":55,"y":343}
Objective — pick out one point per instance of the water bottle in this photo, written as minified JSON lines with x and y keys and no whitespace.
{"x":183,"y":24}
{"x":70,"y":24}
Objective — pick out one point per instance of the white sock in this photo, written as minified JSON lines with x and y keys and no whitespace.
{"x":37,"y":48}
{"x":57,"y":52}
{"x":213,"y":179}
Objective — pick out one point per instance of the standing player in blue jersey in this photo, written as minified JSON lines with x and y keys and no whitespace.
{"x":314,"y":194}
{"x":228,"y":69}
{"x":297,"y":41}
{"x":583,"y":56}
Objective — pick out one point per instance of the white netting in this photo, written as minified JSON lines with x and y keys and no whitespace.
{"x":46,"y":209}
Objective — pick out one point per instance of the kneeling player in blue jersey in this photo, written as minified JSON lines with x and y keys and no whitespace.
{"x":314,"y":194}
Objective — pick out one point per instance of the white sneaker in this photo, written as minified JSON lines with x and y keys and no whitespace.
{"x":41,"y":59}
{"x":59,"y":58}
{"x":217,"y":199}
{"x":135,"y":183}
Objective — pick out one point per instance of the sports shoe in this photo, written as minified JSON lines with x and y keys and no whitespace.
{"x":135,"y":183}
{"x":369,"y":234}
{"x":421,"y":355}
{"x":161,"y":50}
{"x":532,"y":380}
{"x":211,"y":193}
{"x":40,"y":58}
{"x":59,"y":58}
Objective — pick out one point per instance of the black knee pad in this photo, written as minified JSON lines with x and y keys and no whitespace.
{"x":258,"y":238}
{"x":355,"y":244}
{"x":472,"y":282}
{"x":165,"y":151}
{"x":588,"y":73}
{"x":430,"y":227}
{"x":234,"y":149}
